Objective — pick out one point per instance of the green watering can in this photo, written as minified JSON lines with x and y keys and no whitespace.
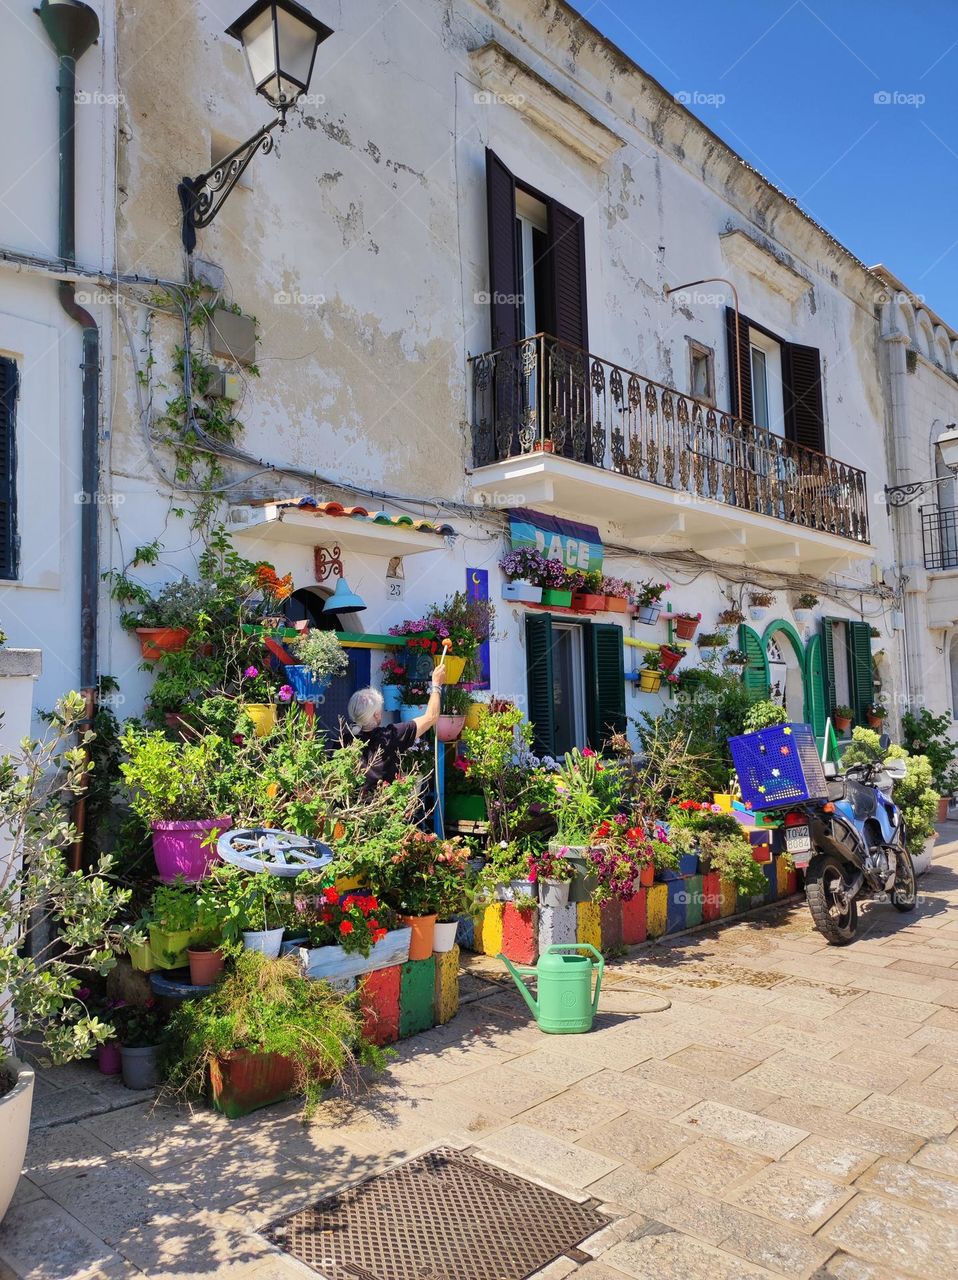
{"x":566,"y":1004}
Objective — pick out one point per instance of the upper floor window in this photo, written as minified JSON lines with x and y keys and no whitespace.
{"x":9,"y":386}
{"x":781,"y":382}
{"x":766,"y":369}
{"x":701,"y":371}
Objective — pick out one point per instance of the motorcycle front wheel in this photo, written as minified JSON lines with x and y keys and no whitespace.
{"x":835,"y":919}
{"x":904,"y":896}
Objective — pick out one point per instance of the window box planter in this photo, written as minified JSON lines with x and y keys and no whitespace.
{"x":305,"y":688}
{"x":557,"y":597}
{"x":392,"y":697}
{"x":332,"y":963}
{"x":156,"y":641}
{"x":650,"y":681}
{"x":616,"y":604}
{"x":168,"y":948}
{"x":449,"y":728}
{"x":522,"y":592}
{"x":241,"y":1081}
{"x":587,"y":601}
{"x":466,"y":809}
{"x":685,"y":627}
{"x":178,"y":848}
{"x":648,"y":614}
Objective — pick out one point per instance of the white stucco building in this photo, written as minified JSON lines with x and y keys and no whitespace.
{"x":472,"y":196}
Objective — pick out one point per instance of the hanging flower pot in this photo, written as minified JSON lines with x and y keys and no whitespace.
{"x":156,"y":641}
{"x":449,"y":728}
{"x":650,"y":681}
{"x":686,"y":624}
{"x":392,"y":697}
{"x":669,"y":658}
{"x":757,"y":612}
{"x":474,"y":714}
{"x":305,"y":687}
{"x":803,"y":617}
{"x":648,"y":613}
{"x":455,"y":666}
{"x":411,"y":711}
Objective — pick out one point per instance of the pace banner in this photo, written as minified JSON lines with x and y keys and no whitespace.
{"x":578,"y":546}
{"x":477,"y":588}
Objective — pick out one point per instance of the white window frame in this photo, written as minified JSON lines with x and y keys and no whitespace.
{"x":579,"y":716}
{"x":775,"y":400}
{"x":531,"y":215}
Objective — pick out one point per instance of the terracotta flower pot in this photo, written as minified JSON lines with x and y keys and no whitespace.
{"x":423,"y":935}
{"x":685,"y":628}
{"x":206,"y":964}
{"x":875,"y":722}
{"x":242,"y":1081}
{"x":943,"y":808}
{"x":647,"y":875}
{"x":842,"y":723}
{"x":669,"y":658}
{"x":543,"y":446}
{"x":156,"y":641}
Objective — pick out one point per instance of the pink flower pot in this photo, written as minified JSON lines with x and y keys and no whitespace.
{"x":108,"y":1058}
{"x":449,"y":728}
{"x":178,"y":848}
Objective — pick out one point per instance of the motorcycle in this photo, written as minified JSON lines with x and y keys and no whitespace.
{"x":852,"y":847}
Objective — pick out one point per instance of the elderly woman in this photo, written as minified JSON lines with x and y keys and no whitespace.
{"x":383,"y":744}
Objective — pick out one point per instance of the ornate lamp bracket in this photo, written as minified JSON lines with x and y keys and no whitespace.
{"x":899,"y":495}
{"x":202,"y":197}
{"x":328,"y":562}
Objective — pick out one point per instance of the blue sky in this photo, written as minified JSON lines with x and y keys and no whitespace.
{"x":792,"y":86}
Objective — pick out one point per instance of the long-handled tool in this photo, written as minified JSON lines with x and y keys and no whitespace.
{"x":438,"y":772}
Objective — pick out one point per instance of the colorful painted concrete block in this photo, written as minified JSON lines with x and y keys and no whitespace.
{"x":588,"y":923}
{"x":633,"y":919}
{"x":417,"y":994}
{"x":466,"y":933}
{"x":447,"y":984}
{"x":610,"y":923}
{"x":781,"y":877}
{"x":711,"y":897}
{"x":520,"y":934}
{"x":675,"y":911}
{"x":771,"y":880}
{"x":729,"y":898}
{"x":656,"y":909}
{"x":379,"y":1001}
{"x":492,"y":929}
{"x":557,"y":925}
{"x":693,"y":906}
{"x":794,"y":884}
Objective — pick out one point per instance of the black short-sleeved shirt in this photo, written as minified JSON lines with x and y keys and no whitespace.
{"x":382,"y":748}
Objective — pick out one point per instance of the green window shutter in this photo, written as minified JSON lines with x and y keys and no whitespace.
{"x":606,"y":676}
{"x":541,"y":705}
{"x":755,"y":675}
{"x":860,"y":649}
{"x":829,"y":691}
{"x":816,"y":709}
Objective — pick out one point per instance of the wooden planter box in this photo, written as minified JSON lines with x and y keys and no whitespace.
{"x":333,"y":963}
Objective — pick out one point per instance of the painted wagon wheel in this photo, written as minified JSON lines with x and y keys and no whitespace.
{"x":279,"y":852}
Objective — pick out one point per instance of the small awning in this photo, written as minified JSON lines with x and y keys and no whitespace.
{"x":306,"y":522}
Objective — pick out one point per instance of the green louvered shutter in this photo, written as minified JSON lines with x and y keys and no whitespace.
{"x":860,"y":648}
{"x":755,"y":675}
{"x":541,"y":707}
{"x":829,"y":690}
{"x":9,"y":385}
{"x":816,"y":710}
{"x":607,"y":682}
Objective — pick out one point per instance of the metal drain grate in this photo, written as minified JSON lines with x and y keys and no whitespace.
{"x":443,"y":1216}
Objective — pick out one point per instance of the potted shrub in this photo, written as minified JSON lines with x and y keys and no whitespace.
{"x":465,"y":623}
{"x":56,"y":924}
{"x":929,"y":735}
{"x":914,"y":794}
{"x":804,"y":605}
{"x":409,"y":883}
{"x":617,"y":594}
{"x":321,"y":659}
{"x":263,"y":1034}
{"x":650,"y":675}
{"x":455,"y":704}
{"x":139,"y":1029}
{"x":453,"y":898}
{"x":588,"y":591}
{"x":523,"y":570}
{"x":173,"y":920}
{"x":618,"y":854}
{"x":842,"y":717}
{"x":763,"y":715}
{"x":731,"y":617}
{"x":686,"y":624}
{"x":587,"y":791}
{"x":875,"y":715}
{"x":711,"y":641}
{"x":552,"y":872}
{"x":759,"y":603}
{"x":162,"y":622}
{"x":647,"y":601}
{"x":173,"y":790}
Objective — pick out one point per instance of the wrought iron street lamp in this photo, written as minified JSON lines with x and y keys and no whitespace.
{"x":899,"y":495}
{"x":280,"y":39}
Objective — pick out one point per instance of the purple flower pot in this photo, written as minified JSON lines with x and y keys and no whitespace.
{"x":178,"y":848}
{"x":108,"y":1058}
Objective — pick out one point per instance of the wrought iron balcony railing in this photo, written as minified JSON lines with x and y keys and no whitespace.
{"x":541,"y":394}
{"x":939,"y":536}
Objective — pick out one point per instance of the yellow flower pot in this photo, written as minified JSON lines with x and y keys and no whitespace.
{"x":263,"y":716}
{"x":474,"y":714}
{"x":650,"y":681}
{"x":455,"y":666}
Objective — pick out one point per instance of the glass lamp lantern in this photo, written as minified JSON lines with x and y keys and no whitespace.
{"x":280,"y":39}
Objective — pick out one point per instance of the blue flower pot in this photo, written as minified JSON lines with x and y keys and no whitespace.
{"x":410,"y":712}
{"x":688,"y":864}
{"x":305,"y":688}
{"x":392,"y":697}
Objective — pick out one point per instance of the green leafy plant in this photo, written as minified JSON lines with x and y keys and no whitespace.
{"x":843,"y":712}
{"x":182,"y":603}
{"x":807,"y":600}
{"x":929,"y":735}
{"x":175,"y":907}
{"x":587,"y":790}
{"x":763,"y":715}
{"x":171,"y":781}
{"x":736,"y":658}
{"x":730,"y":856}
{"x":647,"y":594}
{"x":712,"y":639}
{"x":914,"y":794}
{"x":413,"y":880}
{"x":267,"y":1006}
{"x":57,"y":924}
{"x":321,"y":653}
{"x":138,"y":1025}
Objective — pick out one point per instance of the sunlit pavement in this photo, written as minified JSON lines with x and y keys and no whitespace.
{"x":793,"y":1113}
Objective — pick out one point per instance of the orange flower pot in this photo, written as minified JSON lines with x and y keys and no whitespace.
{"x":206,"y":965}
{"x":588,"y":601}
{"x":647,"y":875}
{"x":669,"y":659}
{"x":616,"y":604}
{"x":423,"y":934}
{"x":685,"y":628}
{"x":156,"y":641}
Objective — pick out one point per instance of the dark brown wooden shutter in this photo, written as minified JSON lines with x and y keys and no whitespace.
{"x":738,"y":340}
{"x":503,"y":264}
{"x":9,"y":384}
{"x":802,"y":392}
{"x":568,"y":287}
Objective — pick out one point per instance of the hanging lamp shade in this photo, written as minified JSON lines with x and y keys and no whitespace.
{"x":344,"y":600}
{"x":280,"y":39}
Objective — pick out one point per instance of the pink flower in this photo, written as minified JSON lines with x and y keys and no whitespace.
{"x":251,"y":673}
{"x":285,"y":693}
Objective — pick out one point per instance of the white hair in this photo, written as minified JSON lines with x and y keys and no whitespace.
{"x":363,"y":708}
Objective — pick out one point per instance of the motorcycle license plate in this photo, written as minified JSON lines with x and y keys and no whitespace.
{"x":798,"y":840}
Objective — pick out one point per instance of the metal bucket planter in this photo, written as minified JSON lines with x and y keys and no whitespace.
{"x":648,"y":614}
{"x":267,"y":941}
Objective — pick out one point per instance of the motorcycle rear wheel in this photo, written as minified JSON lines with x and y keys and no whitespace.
{"x":838,"y":926}
{"x":904,"y":895}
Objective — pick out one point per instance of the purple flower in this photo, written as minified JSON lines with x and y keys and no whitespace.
{"x":251,"y":673}
{"x":285,"y":693}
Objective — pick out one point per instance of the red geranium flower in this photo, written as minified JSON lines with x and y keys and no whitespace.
{"x":330,"y":895}
{"x":346,"y":926}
